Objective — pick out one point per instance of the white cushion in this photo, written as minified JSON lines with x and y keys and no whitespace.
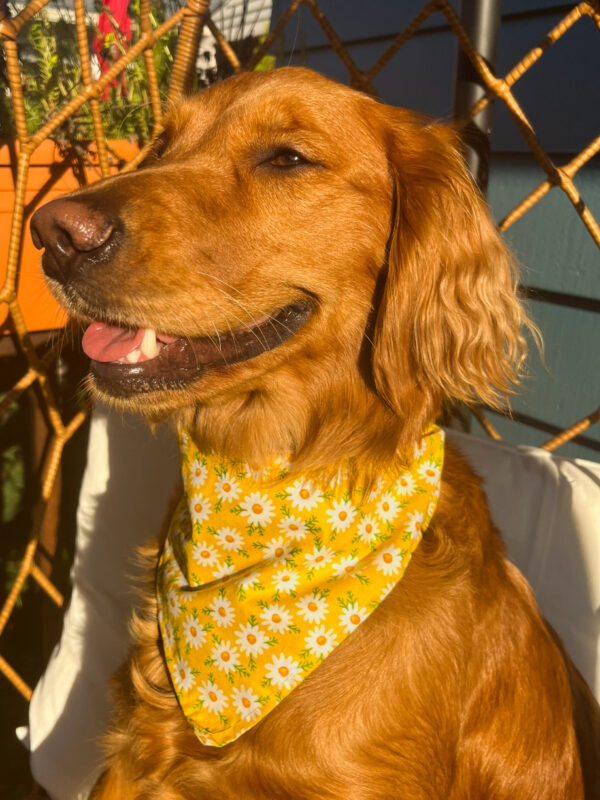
{"x":546,"y":508}
{"x":129,"y":480}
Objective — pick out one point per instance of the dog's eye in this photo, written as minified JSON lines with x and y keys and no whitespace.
{"x":286,"y":159}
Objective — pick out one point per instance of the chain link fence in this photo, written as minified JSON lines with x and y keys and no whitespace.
{"x":163,"y":55}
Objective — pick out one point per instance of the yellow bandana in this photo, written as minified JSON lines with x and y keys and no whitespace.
{"x":264,"y":574}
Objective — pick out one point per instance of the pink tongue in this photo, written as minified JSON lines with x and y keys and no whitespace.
{"x":107,"y":343}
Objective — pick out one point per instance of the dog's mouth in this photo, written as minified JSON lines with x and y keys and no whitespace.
{"x":132,"y":361}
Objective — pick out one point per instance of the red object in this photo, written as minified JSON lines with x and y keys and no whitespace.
{"x":109,"y":48}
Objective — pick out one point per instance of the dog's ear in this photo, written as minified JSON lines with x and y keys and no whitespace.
{"x":449,"y":324}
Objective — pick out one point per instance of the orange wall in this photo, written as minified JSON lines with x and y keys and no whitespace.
{"x":50,"y":175}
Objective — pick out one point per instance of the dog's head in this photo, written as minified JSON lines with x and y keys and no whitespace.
{"x":295,"y":267}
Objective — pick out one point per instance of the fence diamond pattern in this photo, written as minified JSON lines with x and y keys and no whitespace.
{"x":191,"y":19}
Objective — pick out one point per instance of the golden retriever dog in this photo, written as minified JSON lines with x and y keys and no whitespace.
{"x":298,"y":269}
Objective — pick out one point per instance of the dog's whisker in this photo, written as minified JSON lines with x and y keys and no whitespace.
{"x":263,"y":341}
{"x":258,"y":311}
{"x":223,"y":312}
{"x":220,"y":347}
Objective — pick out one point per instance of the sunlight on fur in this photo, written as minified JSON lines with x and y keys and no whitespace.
{"x":283,"y":195}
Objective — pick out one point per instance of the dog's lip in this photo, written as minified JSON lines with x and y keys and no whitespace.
{"x":184,"y":360}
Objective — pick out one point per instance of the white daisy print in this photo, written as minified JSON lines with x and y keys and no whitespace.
{"x":223,"y":570}
{"x":293,"y":526}
{"x":227,"y":488}
{"x":420,"y":448}
{"x":173,"y":601}
{"x":389,"y":561}
{"x":321,"y":642}
{"x":318,"y":558}
{"x":247,"y":581}
{"x":225,"y":656}
{"x":171,"y":571}
{"x":229,"y":539}
{"x":193,"y":632}
{"x":183,"y":676}
{"x":276,"y":618}
{"x":415,"y":524}
{"x":278,"y":550}
{"x":200,"y":508}
{"x":197,"y":473}
{"x":368,"y":529}
{"x":251,"y":640}
{"x":258,"y":508}
{"x":205,"y":554}
{"x":283,"y":465}
{"x":351,"y":617}
{"x":313,"y":608}
{"x":286,"y":580}
{"x":167,"y":637}
{"x":379,"y":486}
{"x":255,"y":471}
{"x":213,"y":698}
{"x":388,"y":507}
{"x":283,"y":671}
{"x":342,"y":515}
{"x":386,"y":590}
{"x":224,"y":614}
{"x":341,"y":477}
{"x":303,"y":495}
{"x":430,"y":472}
{"x":246,"y":703}
{"x":405,"y":485}
{"x":345,"y":566}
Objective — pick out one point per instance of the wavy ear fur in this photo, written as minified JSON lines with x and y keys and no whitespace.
{"x":449,"y":326}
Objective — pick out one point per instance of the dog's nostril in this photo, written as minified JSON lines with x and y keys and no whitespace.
{"x":35,"y":237}
{"x":88,"y":232}
{"x":73,"y":232}
{"x":72,"y":226}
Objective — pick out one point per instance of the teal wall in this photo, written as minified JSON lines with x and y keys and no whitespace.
{"x":561,"y":96}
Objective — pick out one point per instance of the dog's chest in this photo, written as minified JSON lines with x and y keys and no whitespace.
{"x":354,"y":729}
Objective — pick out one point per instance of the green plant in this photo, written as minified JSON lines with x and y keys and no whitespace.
{"x":51,"y":76}
{"x":12,"y":472}
{"x":12,"y":490}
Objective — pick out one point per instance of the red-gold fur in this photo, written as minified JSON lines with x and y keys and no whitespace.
{"x":454,"y":688}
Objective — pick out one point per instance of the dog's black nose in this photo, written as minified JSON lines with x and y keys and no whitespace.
{"x":73,"y":233}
